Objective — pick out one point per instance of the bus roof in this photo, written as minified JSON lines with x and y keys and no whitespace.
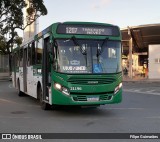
{"x":55,"y":25}
{"x":48,"y":29}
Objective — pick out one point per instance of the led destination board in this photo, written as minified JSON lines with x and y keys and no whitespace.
{"x":88,"y":30}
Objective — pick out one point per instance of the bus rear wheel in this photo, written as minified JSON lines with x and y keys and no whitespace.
{"x":44,"y":105}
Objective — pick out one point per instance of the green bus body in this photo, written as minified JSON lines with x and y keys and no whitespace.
{"x":80,"y":88}
{"x":105,"y":92}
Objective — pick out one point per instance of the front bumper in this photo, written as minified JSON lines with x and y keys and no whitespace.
{"x":86,"y":99}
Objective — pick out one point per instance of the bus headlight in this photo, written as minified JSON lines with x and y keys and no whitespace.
{"x":62,"y":89}
{"x":58,"y":86}
{"x":117,"y":88}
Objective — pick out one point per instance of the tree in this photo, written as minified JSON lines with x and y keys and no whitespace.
{"x":12,"y":18}
{"x":2,"y":44}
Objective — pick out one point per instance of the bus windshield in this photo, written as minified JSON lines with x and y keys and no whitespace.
{"x":88,"y":56}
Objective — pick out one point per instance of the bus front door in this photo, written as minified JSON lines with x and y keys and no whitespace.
{"x":45,"y":71}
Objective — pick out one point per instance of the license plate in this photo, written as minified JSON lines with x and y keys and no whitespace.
{"x":92,"y":99}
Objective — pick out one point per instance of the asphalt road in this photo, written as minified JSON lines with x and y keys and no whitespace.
{"x":138,"y":113}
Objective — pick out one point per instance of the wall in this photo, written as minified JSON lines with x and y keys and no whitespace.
{"x":154,"y":61}
{"x":4,"y":66}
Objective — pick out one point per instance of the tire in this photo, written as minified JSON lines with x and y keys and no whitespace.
{"x":20,"y":93}
{"x":44,"y":105}
{"x":56,"y":107}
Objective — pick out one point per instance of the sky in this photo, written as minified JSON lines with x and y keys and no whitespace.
{"x":118,"y":12}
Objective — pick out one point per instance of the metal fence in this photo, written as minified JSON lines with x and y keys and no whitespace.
{"x":4,"y":66}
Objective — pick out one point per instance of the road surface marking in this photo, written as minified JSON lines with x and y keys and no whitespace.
{"x":125,"y":108}
{"x":154,"y":117}
{"x":12,"y":117}
{"x":8,"y":101}
{"x":150,"y":91}
{"x":145,"y":92}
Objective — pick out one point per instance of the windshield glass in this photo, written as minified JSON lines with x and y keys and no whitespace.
{"x":88,"y":56}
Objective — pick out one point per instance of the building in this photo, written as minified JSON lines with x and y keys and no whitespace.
{"x":141,"y":51}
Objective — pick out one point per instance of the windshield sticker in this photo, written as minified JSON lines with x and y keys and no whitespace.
{"x":74,"y":68}
{"x":97,"y":68}
{"x":75,"y":62}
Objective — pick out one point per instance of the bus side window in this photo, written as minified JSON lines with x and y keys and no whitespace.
{"x":16,"y":59}
{"x":39,"y":52}
{"x":21,"y":57}
{"x":13,"y":61}
{"x":33,"y":53}
{"x":29,"y":55}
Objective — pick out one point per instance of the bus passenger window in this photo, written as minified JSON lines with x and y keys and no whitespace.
{"x":33,"y":53}
{"x":29,"y":55}
{"x":21,"y":57}
{"x":39,"y":52}
{"x":16,"y":59}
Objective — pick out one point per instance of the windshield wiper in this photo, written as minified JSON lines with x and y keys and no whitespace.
{"x":83,"y":50}
{"x":100,"y":48}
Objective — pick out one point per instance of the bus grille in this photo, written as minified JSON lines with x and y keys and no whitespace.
{"x":91,"y":81}
{"x":83,"y":98}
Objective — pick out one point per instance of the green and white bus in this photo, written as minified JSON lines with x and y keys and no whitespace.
{"x":71,"y":63}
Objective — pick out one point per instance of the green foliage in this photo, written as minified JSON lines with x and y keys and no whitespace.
{"x":18,"y":40}
{"x":2,"y":45}
{"x":11,"y":19}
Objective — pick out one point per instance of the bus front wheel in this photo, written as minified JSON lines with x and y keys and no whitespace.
{"x":44,"y":105}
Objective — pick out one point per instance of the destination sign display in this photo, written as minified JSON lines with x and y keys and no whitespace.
{"x":88,"y":30}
